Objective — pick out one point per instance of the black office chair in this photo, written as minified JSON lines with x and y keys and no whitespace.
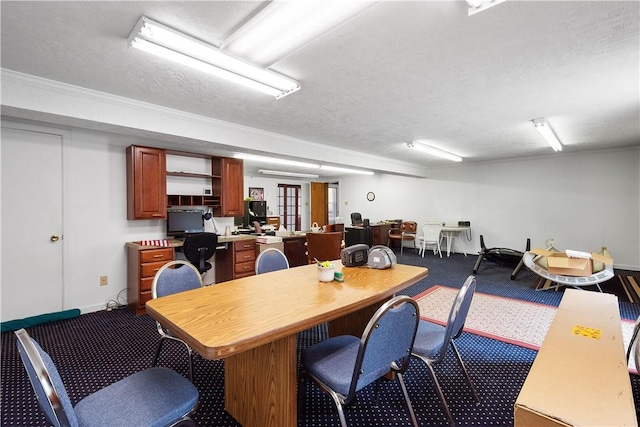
{"x":356,"y":219}
{"x":198,"y":248}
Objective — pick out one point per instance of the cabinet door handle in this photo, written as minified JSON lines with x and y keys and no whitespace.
{"x":156,"y":214}
{"x":157,"y":256}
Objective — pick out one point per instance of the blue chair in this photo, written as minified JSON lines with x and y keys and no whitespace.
{"x":432,"y":340}
{"x":173,"y":277}
{"x":271,"y":259}
{"x":343,"y":365}
{"x":153,"y":397}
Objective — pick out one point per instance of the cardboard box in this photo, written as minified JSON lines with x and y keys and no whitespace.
{"x":559,"y":263}
{"x":580,"y":375}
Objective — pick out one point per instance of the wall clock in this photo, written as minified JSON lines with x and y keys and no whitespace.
{"x":371,"y":196}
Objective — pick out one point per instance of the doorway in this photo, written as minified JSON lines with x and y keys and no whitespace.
{"x":31,"y":217}
{"x":290,"y":206}
{"x":319,"y":203}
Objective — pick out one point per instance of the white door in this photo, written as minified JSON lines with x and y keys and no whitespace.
{"x":31,"y":281}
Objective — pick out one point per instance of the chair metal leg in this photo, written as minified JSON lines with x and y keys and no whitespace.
{"x":447,"y":411}
{"x":467,"y":377}
{"x":189,"y":353}
{"x":158,"y":348}
{"x":376,"y":392}
{"x":406,"y":398}
{"x":336,"y":400}
{"x":190,"y":359}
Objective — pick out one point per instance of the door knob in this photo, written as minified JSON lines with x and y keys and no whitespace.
{"x":54,"y":238}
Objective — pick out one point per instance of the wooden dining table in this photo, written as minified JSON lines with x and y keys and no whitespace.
{"x":252,"y":324}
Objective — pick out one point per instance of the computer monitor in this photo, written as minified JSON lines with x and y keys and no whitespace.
{"x":182,"y":222}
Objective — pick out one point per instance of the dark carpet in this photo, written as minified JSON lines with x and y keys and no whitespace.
{"x":96,"y":349}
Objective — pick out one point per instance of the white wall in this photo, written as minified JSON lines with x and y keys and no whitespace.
{"x":95,"y":215}
{"x":583,"y":201}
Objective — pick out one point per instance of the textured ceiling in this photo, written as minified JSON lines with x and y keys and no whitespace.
{"x":399,"y":71}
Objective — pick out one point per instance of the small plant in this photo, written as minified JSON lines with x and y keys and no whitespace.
{"x":325,"y":264}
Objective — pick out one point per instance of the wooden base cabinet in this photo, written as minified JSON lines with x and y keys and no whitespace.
{"x":142,"y":265}
{"x":295,"y":249}
{"x":239,"y":260}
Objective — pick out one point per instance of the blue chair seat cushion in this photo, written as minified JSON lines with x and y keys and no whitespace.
{"x":429,"y":339}
{"x":332,"y":361}
{"x":154,"y":397}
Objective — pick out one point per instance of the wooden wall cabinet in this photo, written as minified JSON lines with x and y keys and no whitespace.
{"x":237,"y":261}
{"x":142,"y":265}
{"x":146,"y":183}
{"x":232,"y":194}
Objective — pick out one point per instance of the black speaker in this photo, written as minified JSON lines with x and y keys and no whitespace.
{"x":365,"y":222}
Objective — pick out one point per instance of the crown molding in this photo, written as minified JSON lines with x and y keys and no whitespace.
{"x":34,"y":98}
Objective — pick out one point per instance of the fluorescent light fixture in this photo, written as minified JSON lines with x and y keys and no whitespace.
{"x":283,"y":27}
{"x":168,"y":43}
{"x":425,"y":148}
{"x":476,"y":6}
{"x":291,"y":174}
{"x":346,"y":170}
{"x":547,"y":133}
{"x":275,"y":160}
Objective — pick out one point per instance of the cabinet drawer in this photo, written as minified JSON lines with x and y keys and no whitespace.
{"x":149,"y":269}
{"x":145,"y":284}
{"x":152,"y":255}
{"x":245,"y":256}
{"x":241,"y":275}
{"x":244,"y":267}
{"x":244,"y":245}
{"x":144,"y":297}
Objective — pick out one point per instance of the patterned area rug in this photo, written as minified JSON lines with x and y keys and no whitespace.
{"x":517,"y":322}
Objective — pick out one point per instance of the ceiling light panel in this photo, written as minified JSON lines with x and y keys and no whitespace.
{"x":547,"y":133}
{"x":283,"y":27}
{"x":476,"y":6}
{"x":346,"y":170}
{"x":158,"y":39}
{"x":285,"y":173}
{"x":426,"y":148}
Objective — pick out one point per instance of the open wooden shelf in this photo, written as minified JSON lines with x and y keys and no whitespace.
{"x":192,"y":175}
{"x":192,"y":200}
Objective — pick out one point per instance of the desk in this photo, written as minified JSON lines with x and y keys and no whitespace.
{"x":375,"y":234}
{"x":144,"y":261}
{"x":452,"y":232}
{"x":252,"y":323}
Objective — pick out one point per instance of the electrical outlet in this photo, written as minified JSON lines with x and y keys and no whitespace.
{"x":104,"y":280}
